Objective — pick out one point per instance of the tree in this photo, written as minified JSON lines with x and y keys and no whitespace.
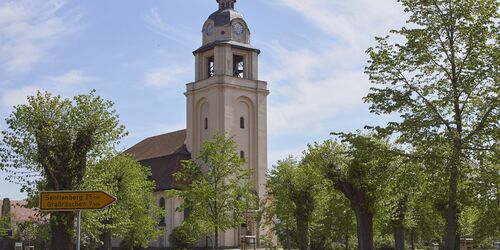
{"x":279,"y":212}
{"x":36,"y":233}
{"x":134,"y":216}
{"x":443,"y":81}
{"x":358,"y":167}
{"x":187,"y":235}
{"x":303,"y":211}
{"x":399,"y":207}
{"x":291,"y":189}
{"x":53,"y":140}
{"x":481,"y":219}
{"x":5,"y":224}
{"x":218,"y":189}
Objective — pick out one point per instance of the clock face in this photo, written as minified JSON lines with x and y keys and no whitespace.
{"x":210,"y":29}
{"x":238,"y":28}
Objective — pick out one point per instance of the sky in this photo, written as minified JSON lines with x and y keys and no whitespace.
{"x":138,"y":54}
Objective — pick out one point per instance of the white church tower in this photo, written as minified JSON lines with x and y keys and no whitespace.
{"x":227,"y":95}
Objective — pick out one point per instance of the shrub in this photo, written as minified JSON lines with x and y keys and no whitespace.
{"x":185,"y":236}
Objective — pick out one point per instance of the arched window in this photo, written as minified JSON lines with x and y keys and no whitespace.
{"x":242,"y":122}
{"x":205,"y":123}
{"x":242,"y":154}
{"x":238,"y":66}
{"x":162,"y":206}
{"x":211,"y":66}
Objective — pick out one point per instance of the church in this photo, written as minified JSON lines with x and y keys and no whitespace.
{"x":226,"y":96}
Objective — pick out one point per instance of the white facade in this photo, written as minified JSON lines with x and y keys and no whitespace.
{"x":229,"y":98}
{"x":226,"y":97}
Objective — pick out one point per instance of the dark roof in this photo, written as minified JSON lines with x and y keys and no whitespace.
{"x":163,"y":155}
{"x":224,"y":17}
{"x":163,"y":170}
{"x":233,"y":44}
{"x":160,"y":145}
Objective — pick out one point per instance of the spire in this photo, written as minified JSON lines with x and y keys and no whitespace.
{"x":226,"y":4}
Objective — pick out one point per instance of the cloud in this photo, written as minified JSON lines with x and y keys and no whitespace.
{"x":18,"y":96}
{"x":166,"y":76}
{"x":65,"y":84}
{"x":156,"y":24}
{"x":71,"y":77}
{"x":29,"y":28}
{"x":349,"y":21}
{"x":309,"y":87}
{"x":313,"y":82}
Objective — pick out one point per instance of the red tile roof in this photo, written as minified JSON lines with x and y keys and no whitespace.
{"x":21,"y":213}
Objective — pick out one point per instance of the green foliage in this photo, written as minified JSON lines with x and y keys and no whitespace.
{"x":362,"y":161}
{"x":303,"y":204}
{"x":187,"y":235}
{"x":49,"y":143}
{"x":384,"y":243}
{"x":358,"y":167}
{"x":443,"y":82}
{"x":481,"y":220}
{"x":293,"y":204}
{"x":37,"y":233}
{"x":54,"y":138}
{"x":4,"y":225}
{"x":218,"y":190}
{"x":134,"y":216}
{"x":268,"y":243}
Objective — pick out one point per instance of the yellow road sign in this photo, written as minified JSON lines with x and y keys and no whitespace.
{"x":75,"y":200}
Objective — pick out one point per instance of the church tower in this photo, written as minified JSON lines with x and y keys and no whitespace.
{"x":227,"y":95}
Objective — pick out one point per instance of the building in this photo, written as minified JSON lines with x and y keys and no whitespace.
{"x":226,"y":96}
{"x":18,"y":212}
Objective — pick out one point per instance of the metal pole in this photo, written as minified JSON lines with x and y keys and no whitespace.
{"x":79,"y":216}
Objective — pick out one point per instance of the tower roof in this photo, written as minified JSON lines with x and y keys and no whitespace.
{"x":225,"y":14}
{"x":224,"y":26}
{"x":223,"y":17}
{"x":226,"y":4}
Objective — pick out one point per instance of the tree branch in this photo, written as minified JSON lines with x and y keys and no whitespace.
{"x":469,"y":94}
{"x":482,"y":122}
{"x":427,"y":102}
{"x":442,"y":68}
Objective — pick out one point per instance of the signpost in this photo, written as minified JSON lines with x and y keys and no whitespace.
{"x":75,"y":201}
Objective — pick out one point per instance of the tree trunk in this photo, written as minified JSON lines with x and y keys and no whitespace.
{"x":364,"y":220}
{"x":61,"y":224}
{"x":288,"y":239}
{"x":216,"y":240}
{"x":398,"y":223}
{"x":451,"y":213}
{"x":347,"y":237}
{"x":412,"y":240}
{"x":105,"y":237}
{"x":302,"y":227}
{"x":399,"y":237}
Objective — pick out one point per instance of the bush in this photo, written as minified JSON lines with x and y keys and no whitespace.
{"x":384,"y":243}
{"x":185,"y":236}
{"x":268,"y":243}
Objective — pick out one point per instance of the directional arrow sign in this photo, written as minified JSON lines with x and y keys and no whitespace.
{"x":75,"y":200}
